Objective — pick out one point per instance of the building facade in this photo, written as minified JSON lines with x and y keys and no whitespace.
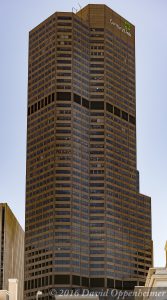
{"x":87,"y":224}
{"x":11,"y":250}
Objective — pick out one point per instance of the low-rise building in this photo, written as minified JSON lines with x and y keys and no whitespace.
{"x":12,"y":293}
{"x":156,"y":284}
{"x":157,"y":277}
{"x":11,"y":250}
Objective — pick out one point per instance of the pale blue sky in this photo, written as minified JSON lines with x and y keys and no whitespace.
{"x":17,"y":17}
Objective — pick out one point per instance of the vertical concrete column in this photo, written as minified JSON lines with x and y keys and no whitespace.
{"x":13,"y":289}
{"x":166,"y":253}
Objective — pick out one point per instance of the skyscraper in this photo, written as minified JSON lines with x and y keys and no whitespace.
{"x":11,"y":250}
{"x":87,"y":224}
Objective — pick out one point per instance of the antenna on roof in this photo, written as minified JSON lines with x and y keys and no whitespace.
{"x":79,"y":5}
{"x":74,"y":10}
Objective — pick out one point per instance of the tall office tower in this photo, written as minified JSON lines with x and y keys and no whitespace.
{"x":87,"y":224}
{"x":11,"y":250}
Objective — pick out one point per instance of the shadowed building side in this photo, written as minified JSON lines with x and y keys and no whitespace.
{"x":12,"y":250}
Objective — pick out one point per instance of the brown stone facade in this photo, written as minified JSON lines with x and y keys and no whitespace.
{"x":12,"y":250}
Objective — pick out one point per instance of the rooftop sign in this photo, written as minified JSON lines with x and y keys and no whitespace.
{"x":125,"y":29}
